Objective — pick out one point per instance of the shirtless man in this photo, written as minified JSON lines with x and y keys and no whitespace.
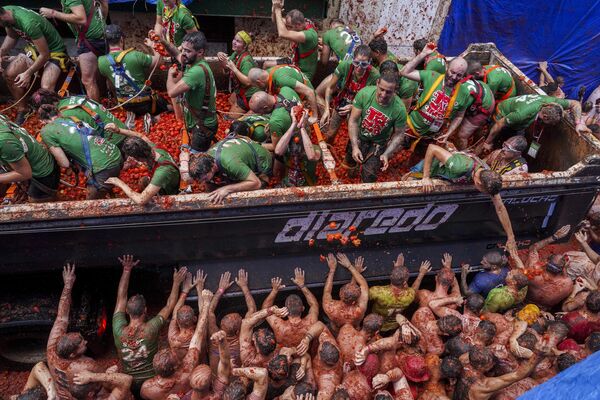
{"x":39,"y":385}
{"x":434,"y":388}
{"x":503,"y":298}
{"x":354,"y":296}
{"x":399,"y":382}
{"x":555,"y":333}
{"x":171,"y":376}
{"x":289,"y":332}
{"x":115,"y":386}
{"x":358,"y":381}
{"x":470,"y":317}
{"x":65,"y":351}
{"x":351,"y":339}
{"x":257,"y":348}
{"x":230,"y":323}
{"x":327,"y":365}
{"x":585,"y":318}
{"x":259,"y":378}
{"x":182,"y":327}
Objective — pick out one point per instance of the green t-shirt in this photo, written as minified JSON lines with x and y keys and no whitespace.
{"x":459,"y":167}
{"x":428,"y":119}
{"x":166,"y":176}
{"x":377,"y":121}
{"x":500,"y":299}
{"x":487,"y":99}
{"x":244,"y":65}
{"x":240,"y":156}
{"x":286,"y":76}
{"x":299,"y":170}
{"x":135,"y":63}
{"x":31,"y":26}
{"x":436,"y":62}
{"x":520,"y":112}
{"x":499,"y":80}
{"x":96,"y":29}
{"x":308,"y":64}
{"x":339,"y":40}
{"x":259,"y":131}
{"x":342,"y":71}
{"x":176,"y":22}
{"x":280,"y":119}
{"x":136,"y":353}
{"x":63,"y":133}
{"x":194,"y":77}
{"x":104,"y":115}
{"x":388,"y":302}
{"x":16,"y":143}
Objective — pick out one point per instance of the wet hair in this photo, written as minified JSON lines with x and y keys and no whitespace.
{"x":480,"y":357}
{"x":303,"y":388}
{"x":474,"y":303}
{"x":200,"y":165}
{"x":592,"y":301}
{"x":399,"y":276}
{"x":587,"y":106}
{"x":491,"y":181}
{"x":340,"y":394}
{"x":378,"y":45}
{"x":68,"y":344}
{"x":278,"y":368}
{"x":336,"y":21}
{"x":593,"y":342}
{"x":235,"y":391}
{"x":527,"y":340}
{"x":265,"y":341}
{"x":450,"y":325}
{"x":201,"y":377}
{"x":390,"y":77}
{"x":419,"y":45}
{"x":186,"y":318}
{"x":296,"y":16}
{"x":519,"y":278}
{"x":231,"y":324}
{"x":165,"y":363}
{"x":451,"y":367}
{"x":294,"y":305}
{"x":564,"y":361}
{"x":362,"y":50}
{"x":383,"y":396}
{"x":474,"y":67}
{"x":487,"y":330}
{"x":539,"y":327}
{"x":373,"y":322}
{"x":495,"y":258}
{"x":350,"y":293}
{"x":81,"y":392}
{"x":550,"y":88}
{"x":456,"y":346}
{"x":240,"y":128}
{"x":136,"y":306}
{"x":196,"y":39}
{"x":558,"y":328}
{"x":595,"y":128}
{"x":113,"y":34}
{"x":519,"y":143}
{"x":38,"y":392}
{"x":388,"y":65}
{"x":47,"y":111}
{"x":445,"y":277}
{"x":552,"y":113}
{"x":44,"y":96}
{"x":329,"y":353}
{"x":137,"y":148}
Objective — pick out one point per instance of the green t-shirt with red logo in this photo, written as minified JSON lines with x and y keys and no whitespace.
{"x":377,"y":122}
{"x":32,"y":26}
{"x":520,"y":112}
{"x":499,"y":80}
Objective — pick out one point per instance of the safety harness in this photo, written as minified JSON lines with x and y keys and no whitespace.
{"x":116,"y":64}
{"x":502,"y":169}
{"x":272,"y":75}
{"x":169,"y":24}
{"x":93,"y":114}
{"x":350,"y":87}
{"x":509,"y":92}
{"x":296,"y":49}
{"x":235,"y":83}
{"x":82,"y":32}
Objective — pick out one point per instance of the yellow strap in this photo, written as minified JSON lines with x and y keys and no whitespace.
{"x":122,"y":55}
{"x":429,"y":93}
{"x":452,"y":100}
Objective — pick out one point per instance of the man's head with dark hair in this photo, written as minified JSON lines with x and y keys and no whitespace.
{"x":595,"y":128}
{"x":362,"y":50}
{"x":487,"y":181}
{"x":451,"y":368}
{"x":83,"y":392}
{"x":449,"y":325}
{"x":5,"y":18}
{"x":165,"y":363}
{"x":486,"y":331}
{"x":329,"y":354}
{"x":340,"y":394}
{"x":378,"y":47}
{"x":113,"y":34}
{"x":474,"y":303}
{"x":372,"y":323}
{"x":303,"y":388}
{"x":564,"y":361}
{"x":558,"y":329}
{"x":399,"y":276}
{"x":383,"y":395}
{"x":201,"y":377}
{"x":475,"y":68}
{"x":493,"y":259}
{"x":231,"y":323}
{"x":70,"y":345}
{"x":264,"y":339}
{"x":236,"y":390}
{"x":389,"y":77}
{"x":294,"y":305}
{"x":593,"y":342}
{"x":556,"y":264}
{"x":202,"y":167}
{"x":186,"y":318}
{"x":278,"y":368}
{"x":551,"y":114}
{"x":456,"y":346}
{"x":587,"y":107}
{"x":241,"y":128}
{"x":335,"y":23}
{"x":45,"y":102}
{"x":551,"y":88}
{"x":350,"y":293}
{"x":419,"y":45}
{"x":388,"y":65}
{"x":193,"y":47}
{"x":514,"y":146}
{"x":445,"y":277}
{"x":137,"y":148}
{"x":295,"y":20}
{"x":481,"y":358}
{"x":592,"y":301}
{"x":527,"y":340}
{"x":136,"y":306}
{"x":36,"y":393}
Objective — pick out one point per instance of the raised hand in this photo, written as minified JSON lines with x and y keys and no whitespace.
{"x":187,"y":283}
{"x":242,"y":278}
{"x":359,"y":264}
{"x":399,"y":260}
{"x":280,"y":312}
{"x":344,"y":260}
{"x":207,"y":296}
{"x":562,"y":232}
{"x":331,"y":262}
{"x":68,"y":275}
{"x":179,"y":275}
{"x":127,"y":262}
{"x":581,"y":237}
{"x":199,"y":281}
{"x":225,"y":282}
{"x":277,"y":283}
{"x":447,"y":260}
{"x":218,"y":337}
{"x":425,"y":267}
{"x":298,"y":278}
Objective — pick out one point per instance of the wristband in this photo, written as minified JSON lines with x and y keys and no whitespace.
{"x":554,"y":237}
{"x":309,"y":336}
{"x":220,"y":290}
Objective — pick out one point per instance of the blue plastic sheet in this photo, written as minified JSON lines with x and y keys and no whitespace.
{"x":566,"y":33}
{"x":578,"y":382}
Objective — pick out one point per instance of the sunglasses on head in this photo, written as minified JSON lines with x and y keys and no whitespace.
{"x":507,"y":147}
{"x":362,"y":64}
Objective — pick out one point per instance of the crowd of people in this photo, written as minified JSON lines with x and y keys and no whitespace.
{"x":491,"y":333}
{"x":433,"y":103}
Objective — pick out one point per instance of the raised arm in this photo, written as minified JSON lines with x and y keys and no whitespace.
{"x":559,"y":234}
{"x":224,"y":283}
{"x":305,"y":91}
{"x":283,"y":143}
{"x":260,"y":378}
{"x":519,"y":328}
{"x":61,"y":322}
{"x":311,"y":153}
{"x":582,"y":239}
{"x":120,"y":384}
{"x":488,"y":386}
{"x":250,"y":322}
{"x":504,"y":221}
{"x":332,"y":265}
{"x":242,"y":282}
{"x":276,"y":286}
{"x":313,"y":303}
{"x":282,"y":30}
{"x":385,"y":344}
{"x":409,"y":71}
{"x":224,"y":368}
{"x":128,"y":263}
{"x":359,"y":279}
{"x":423,"y":270}
{"x":191,"y":358}
{"x":580,"y":125}
{"x":178,"y":277}
{"x":314,"y":331}
{"x":185,"y":289}
{"x":77,"y":16}
{"x":464,"y":271}
{"x":440,"y":306}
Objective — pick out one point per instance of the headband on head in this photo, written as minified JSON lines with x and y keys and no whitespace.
{"x":245,"y":37}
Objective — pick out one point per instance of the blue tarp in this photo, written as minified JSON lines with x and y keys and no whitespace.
{"x":566,"y":33}
{"x":578,"y":382}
